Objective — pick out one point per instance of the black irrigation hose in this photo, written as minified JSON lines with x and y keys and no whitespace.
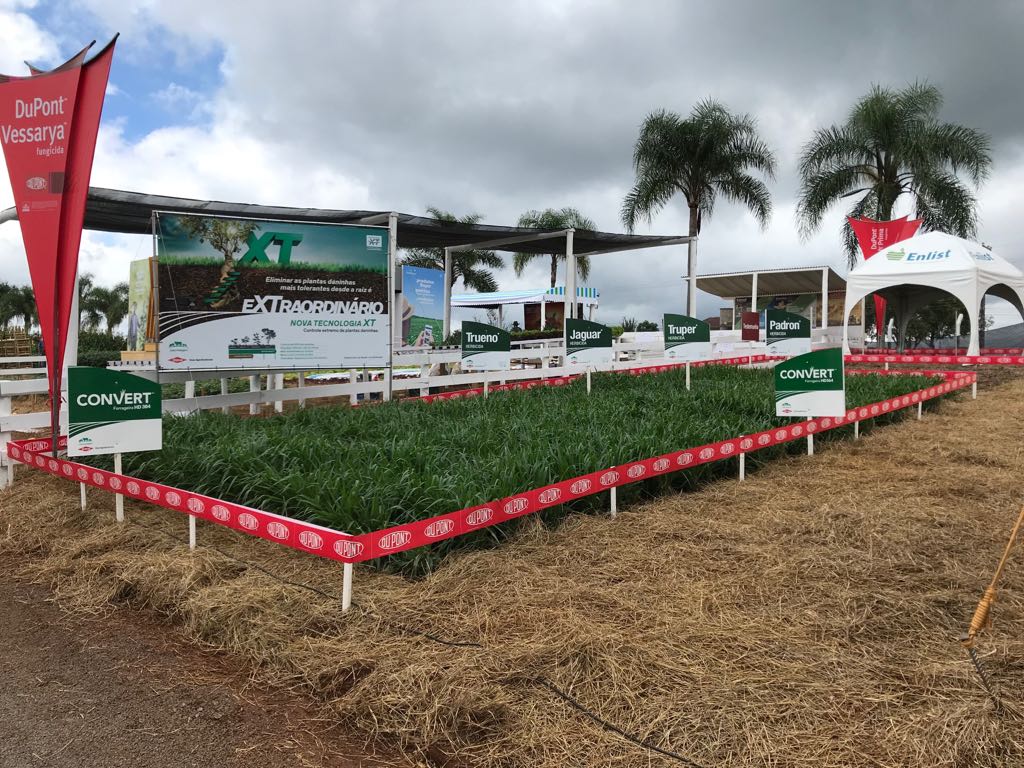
{"x":610,"y":727}
{"x":451,"y":643}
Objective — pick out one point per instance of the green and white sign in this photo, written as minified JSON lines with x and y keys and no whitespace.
{"x":686,"y":338}
{"x":587,"y":343}
{"x":811,"y":385}
{"x":112,"y":412}
{"x":787,"y":333}
{"x":485,"y":347}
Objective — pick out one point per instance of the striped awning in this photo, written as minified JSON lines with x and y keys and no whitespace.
{"x":586,"y":296}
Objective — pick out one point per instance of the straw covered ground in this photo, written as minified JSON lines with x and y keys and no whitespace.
{"x":805,"y":617}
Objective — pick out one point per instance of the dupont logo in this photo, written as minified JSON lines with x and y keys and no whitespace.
{"x":248,"y":521}
{"x":479,"y":516}
{"x":764,"y":439}
{"x":278,"y":530}
{"x":115,"y":483}
{"x":40,"y":461}
{"x":85,"y":448}
{"x":826,"y":423}
{"x":550,"y":496}
{"x":311,"y":540}
{"x":684,"y":459}
{"x":580,"y":486}
{"x":96,"y":476}
{"x":874,"y":410}
{"x":746,"y":444}
{"x":637,"y":470}
{"x":176,"y":359}
{"x":173,"y":498}
{"x":609,"y":478}
{"x":516,"y":505}
{"x":68,"y":470}
{"x":812,"y":426}
{"x":797,"y":431}
{"x":14,"y":451}
{"x":52,"y":464}
{"x":348,"y":548}
{"x":439,"y":528}
{"x":36,"y":183}
{"x":220,"y":512}
{"x":195,"y":505}
{"x":394,"y":540}
{"x":83,"y":474}
{"x":781,"y":434}
{"x":727,"y":448}
{"x":133,"y":488}
{"x":661,"y":465}
{"x":885,"y":406}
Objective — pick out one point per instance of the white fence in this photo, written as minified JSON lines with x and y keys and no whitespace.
{"x":414,"y":374}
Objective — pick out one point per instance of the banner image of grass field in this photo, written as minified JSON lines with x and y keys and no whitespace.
{"x":787,"y":333}
{"x":587,"y":343}
{"x":243,"y":293}
{"x":140,"y":279}
{"x":112,"y":412}
{"x":686,"y":338}
{"x":485,"y":347}
{"x":422,"y":306}
{"x":811,"y":385}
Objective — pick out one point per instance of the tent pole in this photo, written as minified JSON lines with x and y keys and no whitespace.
{"x":447,"y":331}
{"x":570,"y":276}
{"x":392,"y":250}
{"x":753,"y":293}
{"x":824,"y":298}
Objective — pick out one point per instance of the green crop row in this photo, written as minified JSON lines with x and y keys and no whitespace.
{"x":364,"y":469}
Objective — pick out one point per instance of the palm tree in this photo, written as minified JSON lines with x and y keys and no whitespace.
{"x":20,"y":303}
{"x":472,"y":267}
{"x":550,"y":218}
{"x":710,"y":153}
{"x":110,"y":304}
{"x":892,"y":147}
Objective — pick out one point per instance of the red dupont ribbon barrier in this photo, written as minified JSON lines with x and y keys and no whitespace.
{"x":335,"y":545}
{"x":938,"y":358}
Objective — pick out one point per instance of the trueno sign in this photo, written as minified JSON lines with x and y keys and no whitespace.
{"x":811,"y":385}
{"x":686,"y":338}
{"x":112,"y":412}
{"x":787,"y":333}
{"x":587,"y":343}
{"x":485,"y":347}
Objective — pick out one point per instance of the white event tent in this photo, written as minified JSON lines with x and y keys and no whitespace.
{"x":914,"y":272}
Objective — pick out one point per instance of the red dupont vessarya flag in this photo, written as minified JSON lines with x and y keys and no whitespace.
{"x":48,"y":127}
{"x":874,"y":236}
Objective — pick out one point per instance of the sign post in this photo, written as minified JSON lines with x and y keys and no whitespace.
{"x":787,"y":333}
{"x":485,"y":347}
{"x":686,"y":338}
{"x":112,"y":412}
{"x":587,"y":343}
{"x":811,"y":385}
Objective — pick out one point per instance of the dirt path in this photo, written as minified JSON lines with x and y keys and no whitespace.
{"x":90,"y":693}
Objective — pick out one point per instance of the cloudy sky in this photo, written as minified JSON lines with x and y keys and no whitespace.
{"x":499,"y":107}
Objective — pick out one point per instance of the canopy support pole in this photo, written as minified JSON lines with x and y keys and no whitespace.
{"x":543,"y":312}
{"x":824,"y":298}
{"x":447,"y":330}
{"x":753,"y":293}
{"x":570,"y":276}
{"x":392,"y":250}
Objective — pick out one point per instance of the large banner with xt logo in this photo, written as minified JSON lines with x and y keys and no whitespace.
{"x":245,"y":293}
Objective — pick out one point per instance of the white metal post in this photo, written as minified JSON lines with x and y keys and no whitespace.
{"x":687,"y":375}
{"x":743,"y":466}
{"x":353,"y":379}
{"x":224,"y":391}
{"x":81,"y":495}
{"x":810,"y":445}
{"x":570,"y":275}
{"x":10,"y":473}
{"x":824,"y":298}
{"x":447,"y":325}
{"x":919,"y":405}
{"x":254,"y":386}
{"x":856,"y":430}
{"x":191,"y":531}
{"x":486,"y":388}
{"x":974,"y":396}
{"x":691,"y":278}
{"x":392,"y":250}
{"x":190,"y":389}
{"x":753,"y":294}
{"x":301,"y":384}
{"x":346,"y":589}
{"x":613,"y":499}
{"x":5,"y":437}
{"x":118,"y":498}
{"x":543,"y":312}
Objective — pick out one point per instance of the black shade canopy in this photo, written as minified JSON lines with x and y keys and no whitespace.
{"x":114,"y":210}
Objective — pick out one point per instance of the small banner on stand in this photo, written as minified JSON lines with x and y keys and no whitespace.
{"x":787,"y":333}
{"x":112,"y":412}
{"x":811,"y":385}
{"x":750,"y":326}
{"x":587,"y":343}
{"x":686,"y":338}
{"x":485,"y":347}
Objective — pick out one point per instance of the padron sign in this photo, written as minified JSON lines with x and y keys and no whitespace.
{"x":587,"y":343}
{"x":686,"y":338}
{"x":485,"y":347}
{"x":112,"y":412}
{"x":811,"y":385}
{"x":787,"y":333}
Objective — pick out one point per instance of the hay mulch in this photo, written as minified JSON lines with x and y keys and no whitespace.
{"x":806,"y":617}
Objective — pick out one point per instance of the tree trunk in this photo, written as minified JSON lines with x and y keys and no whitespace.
{"x":554,"y":270}
{"x":691,"y":262}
